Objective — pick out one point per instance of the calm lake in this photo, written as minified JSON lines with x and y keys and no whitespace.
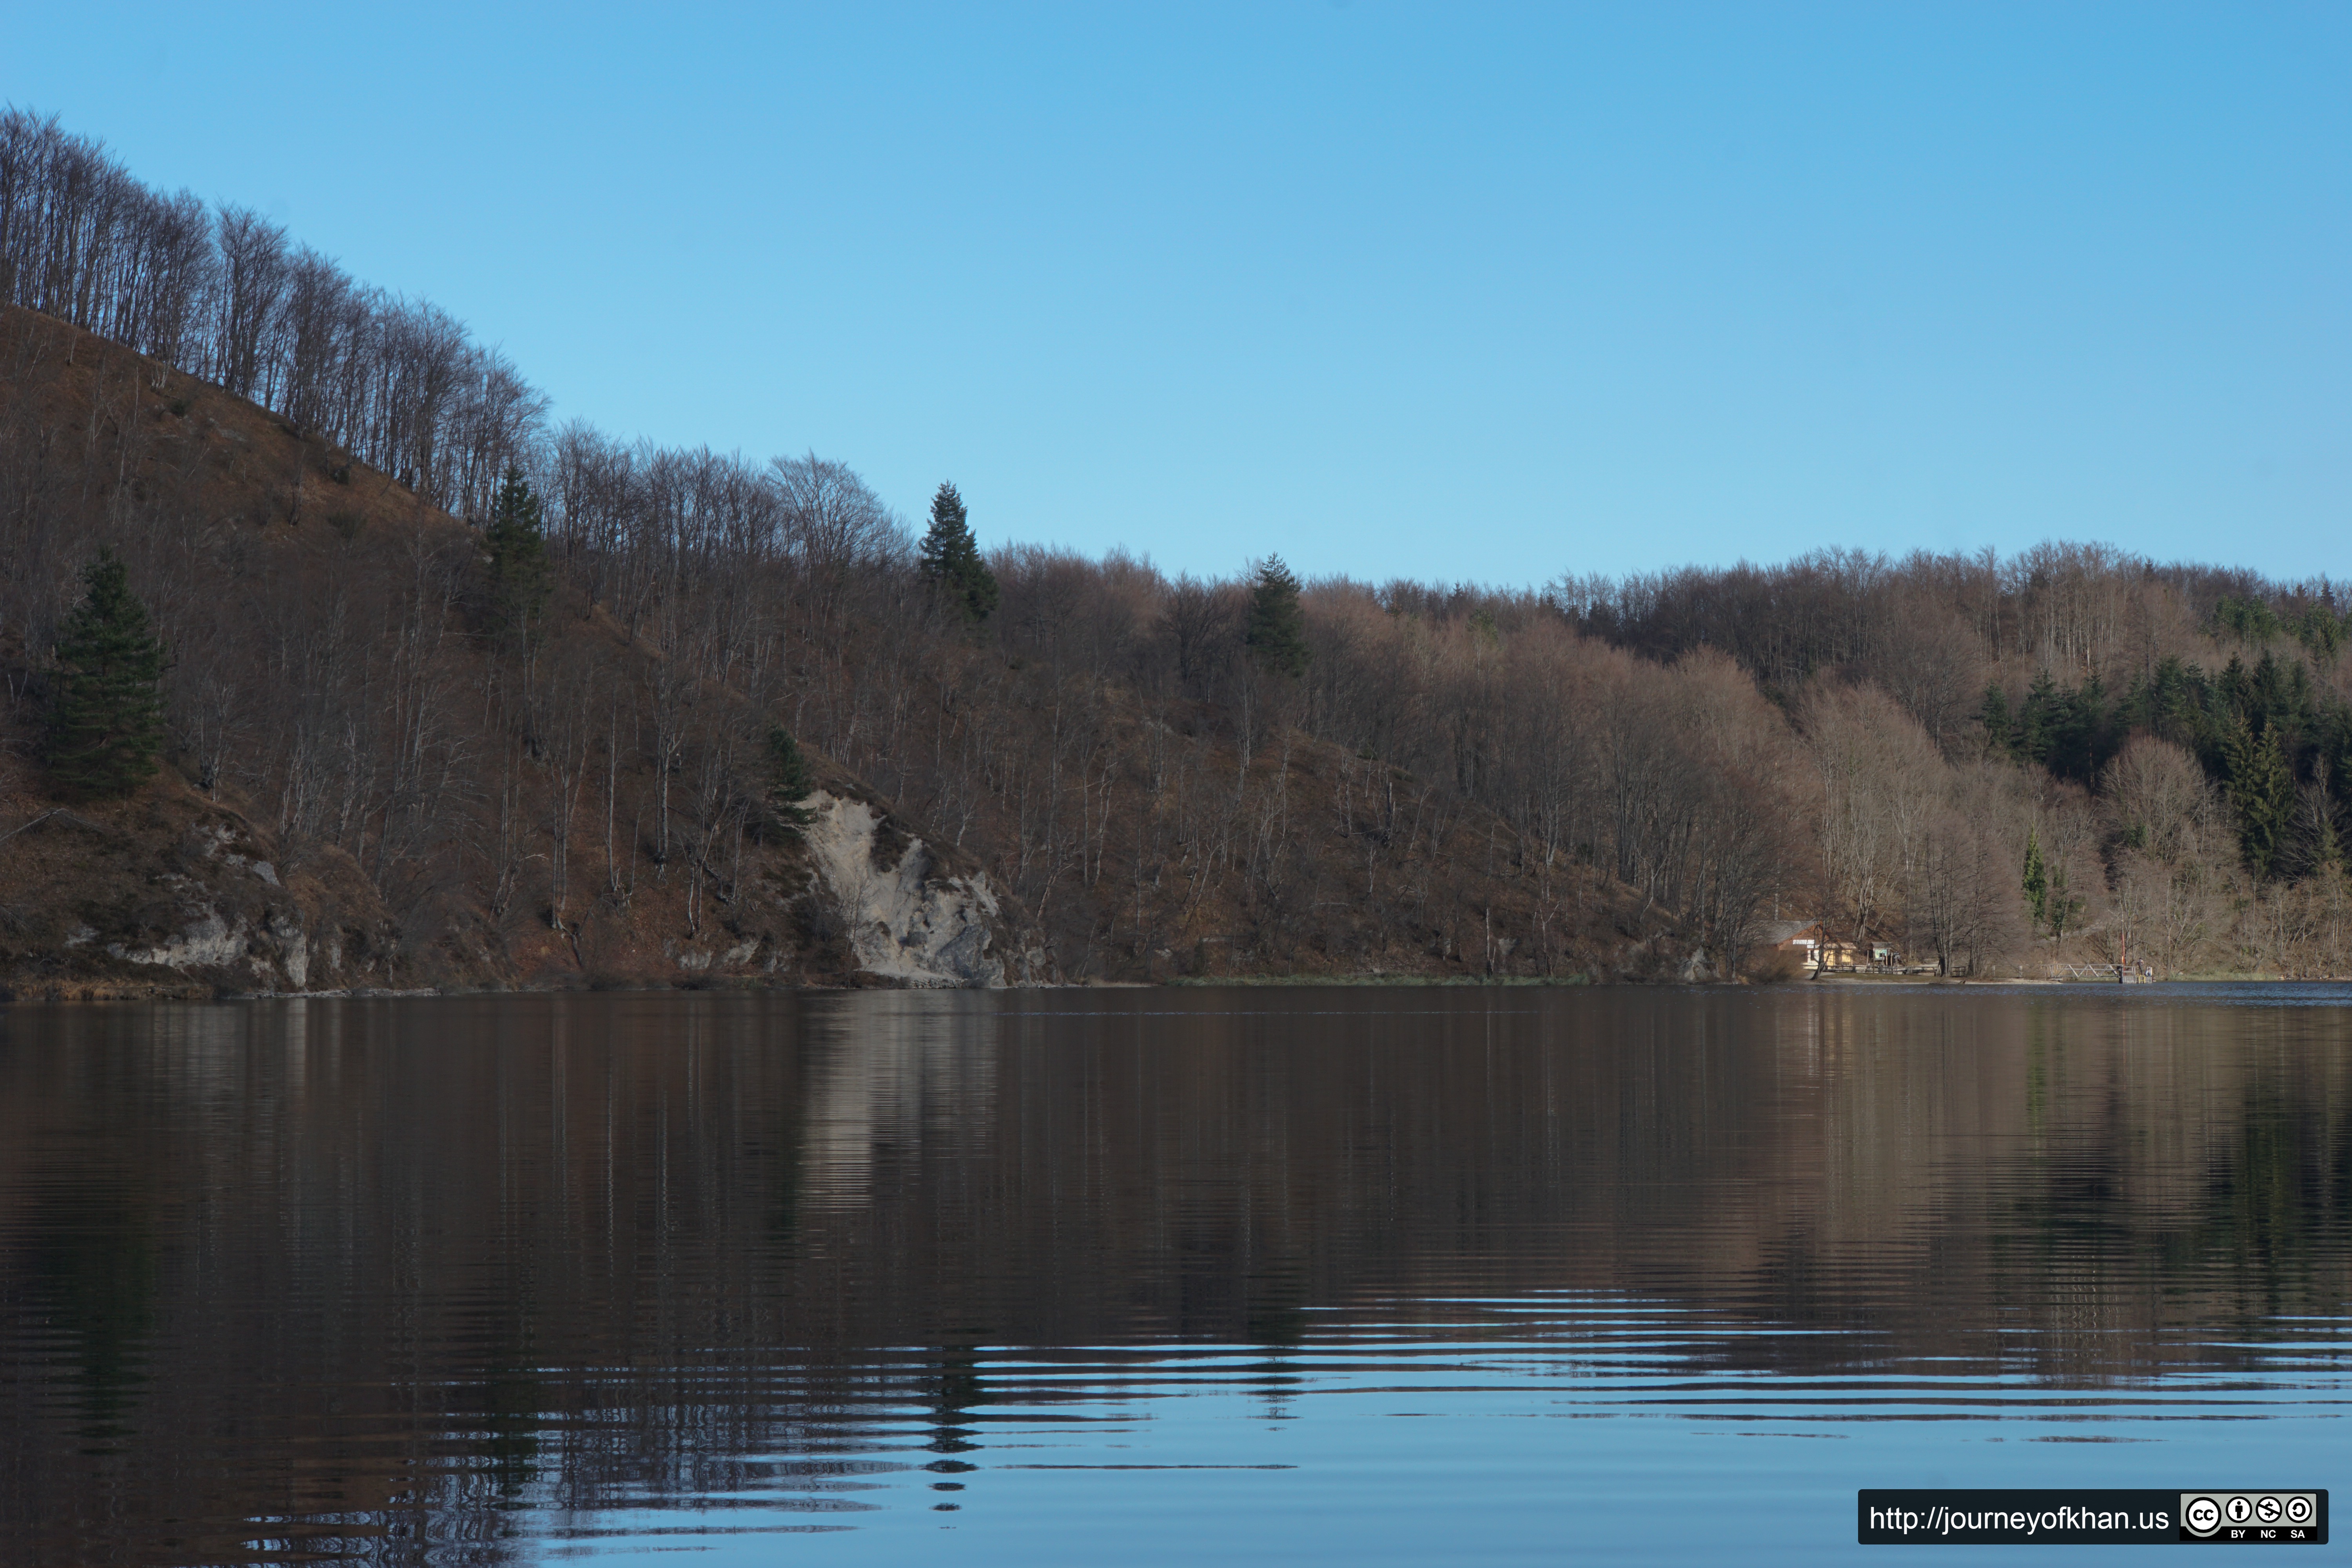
{"x":1250,"y":1275}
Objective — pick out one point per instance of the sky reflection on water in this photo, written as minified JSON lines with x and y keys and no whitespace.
{"x":1389,"y":1276}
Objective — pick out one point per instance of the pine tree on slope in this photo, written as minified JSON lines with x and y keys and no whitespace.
{"x":106,"y":720}
{"x":951,"y":558}
{"x":517,"y":547}
{"x":1278,"y":623}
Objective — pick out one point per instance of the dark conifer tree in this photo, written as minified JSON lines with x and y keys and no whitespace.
{"x":789,"y":782}
{"x":2323,"y":850}
{"x":951,"y":558}
{"x":1994,"y":715}
{"x":106,"y":722}
{"x":515,"y":542}
{"x":1278,"y":622}
{"x":2036,"y":880}
{"x":2036,"y":718}
{"x":2322,"y":631}
{"x":2262,"y":790}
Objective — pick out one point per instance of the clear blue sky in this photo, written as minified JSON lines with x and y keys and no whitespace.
{"x":1438,"y":291}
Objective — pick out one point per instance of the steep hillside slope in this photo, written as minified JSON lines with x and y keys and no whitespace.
{"x":438,"y":805}
{"x":192,"y":887}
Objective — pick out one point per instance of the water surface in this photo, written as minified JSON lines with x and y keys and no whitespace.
{"x":1255,"y":1275}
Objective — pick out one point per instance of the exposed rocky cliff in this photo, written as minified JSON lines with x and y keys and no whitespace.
{"x":913,"y":914}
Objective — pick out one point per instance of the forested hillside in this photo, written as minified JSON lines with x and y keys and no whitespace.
{"x":541,"y":722}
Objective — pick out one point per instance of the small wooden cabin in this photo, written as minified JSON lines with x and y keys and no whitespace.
{"x":1854,"y":953}
{"x":1802,"y":938}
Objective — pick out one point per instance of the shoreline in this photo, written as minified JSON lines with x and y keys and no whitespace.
{"x":62,"y":996}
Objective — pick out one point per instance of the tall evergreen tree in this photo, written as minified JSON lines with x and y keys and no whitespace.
{"x":106,"y":721}
{"x":2261,"y":792}
{"x":2322,"y":632}
{"x":2037,"y":880}
{"x":2036,"y":718}
{"x":515,"y":541}
{"x":2323,"y":851}
{"x":2076,"y":736}
{"x":1278,"y":622}
{"x":790,"y":781}
{"x":1994,"y":715}
{"x":951,"y":558}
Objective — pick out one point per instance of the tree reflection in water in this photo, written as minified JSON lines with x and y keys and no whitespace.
{"x":411,"y":1279}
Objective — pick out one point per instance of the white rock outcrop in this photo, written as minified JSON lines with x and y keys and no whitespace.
{"x":209,"y":939}
{"x":277,"y":954}
{"x":236,"y":922}
{"x":907,"y":920}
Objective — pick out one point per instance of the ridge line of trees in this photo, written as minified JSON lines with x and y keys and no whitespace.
{"x":221,"y":293}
